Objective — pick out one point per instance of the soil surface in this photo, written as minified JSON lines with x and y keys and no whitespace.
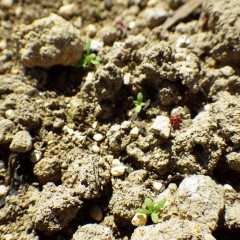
{"x":149,"y":109}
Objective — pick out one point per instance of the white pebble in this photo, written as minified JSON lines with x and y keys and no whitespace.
{"x":3,"y":190}
{"x":134,"y":132}
{"x":10,"y":114}
{"x":91,"y":30}
{"x":116,"y":162}
{"x":67,"y":10}
{"x":228,"y":187}
{"x":157,"y":186}
{"x":96,"y":213}
{"x":126,"y":124}
{"x":95,"y":148}
{"x":127,"y":78}
{"x":35,"y":156}
{"x":118,"y":171}
{"x":227,"y":71}
{"x":98,"y":137}
{"x":139,"y":219}
{"x":162,"y":126}
{"x":6,"y":3}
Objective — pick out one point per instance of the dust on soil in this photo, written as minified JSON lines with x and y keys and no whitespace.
{"x":76,"y":160}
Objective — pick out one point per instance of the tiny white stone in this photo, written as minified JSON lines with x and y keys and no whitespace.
{"x":10,"y":114}
{"x":227,"y":187}
{"x":98,"y":137}
{"x":6,"y":3}
{"x":96,"y":45}
{"x":118,"y":171}
{"x":139,"y":219}
{"x":116,"y":162}
{"x":162,"y":126}
{"x":115,"y":128}
{"x":132,"y":25}
{"x":79,"y":136}
{"x":227,"y":71}
{"x":127,"y":78}
{"x":95,"y":148}
{"x":67,"y":10}
{"x":35,"y":156}
{"x":157,"y":186}
{"x":96,"y":213}
{"x":134,"y":132}
{"x":70,"y":131}
{"x":91,"y":30}
{"x":94,"y":125}
{"x":126,"y":124}
{"x":3,"y":190}
{"x":183,"y":41}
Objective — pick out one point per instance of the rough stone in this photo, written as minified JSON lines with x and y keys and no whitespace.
{"x":51,"y":41}
{"x":21,"y":143}
{"x":162,"y":126}
{"x":173,"y":229}
{"x":5,"y":126}
{"x":93,"y":232}
{"x":200,"y":199}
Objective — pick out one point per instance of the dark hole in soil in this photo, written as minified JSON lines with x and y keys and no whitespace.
{"x":200,"y":154}
{"x":225,"y":234}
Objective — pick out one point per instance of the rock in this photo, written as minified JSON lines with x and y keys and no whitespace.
{"x":50,"y":41}
{"x":96,"y":213}
{"x":3,"y":190}
{"x":6,"y":3}
{"x":98,"y":137}
{"x":134,"y":132}
{"x":54,"y":209}
{"x":5,"y":126}
{"x":47,"y":170}
{"x":162,"y":126}
{"x":173,"y":229}
{"x":109,"y":79}
{"x":68,"y":10}
{"x":200,"y":200}
{"x":118,"y":170}
{"x":232,"y":208}
{"x":139,"y":219}
{"x":233,"y":161}
{"x":93,"y":232}
{"x":21,"y":143}
{"x":87,"y":175}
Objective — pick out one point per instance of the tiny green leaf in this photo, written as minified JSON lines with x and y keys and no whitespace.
{"x":149,"y":204}
{"x":143,"y":211}
{"x":154,"y":217}
{"x":140,"y":97}
{"x":138,"y":108}
{"x":160,"y":204}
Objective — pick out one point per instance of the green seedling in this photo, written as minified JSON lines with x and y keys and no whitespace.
{"x":139,"y":104}
{"x":88,"y":58}
{"x":152,"y":209}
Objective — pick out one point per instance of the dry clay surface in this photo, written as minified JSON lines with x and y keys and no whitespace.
{"x":77,"y":160}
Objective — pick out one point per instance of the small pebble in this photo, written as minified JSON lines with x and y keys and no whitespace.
{"x":126,"y":124}
{"x":95,"y":149}
{"x":96,"y":213}
{"x":35,"y":156}
{"x":134,"y":132}
{"x":10,"y":114}
{"x":118,"y":171}
{"x":227,"y":71}
{"x":6,"y":3}
{"x":67,"y":10}
{"x":157,"y":186}
{"x":91,"y":30}
{"x":162,"y":126}
{"x":98,"y":137}
{"x":139,"y":219}
{"x":116,"y":162}
{"x":3,"y":190}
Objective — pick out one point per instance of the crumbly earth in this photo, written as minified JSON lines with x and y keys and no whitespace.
{"x":77,"y":159}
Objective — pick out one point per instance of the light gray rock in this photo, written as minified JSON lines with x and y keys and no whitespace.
{"x":93,"y":232}
{"x":54,"y":209}
{"x":47,"y":170}
{"x":232,"y":208}
{"x":162,"y":126}
{"x":200,"y":199}
{"x":233,"y":161}
{"x":21,"y":143}
{"x":50,"y":41}
{"x":5,"y":126}
{"x":173,"y":229}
